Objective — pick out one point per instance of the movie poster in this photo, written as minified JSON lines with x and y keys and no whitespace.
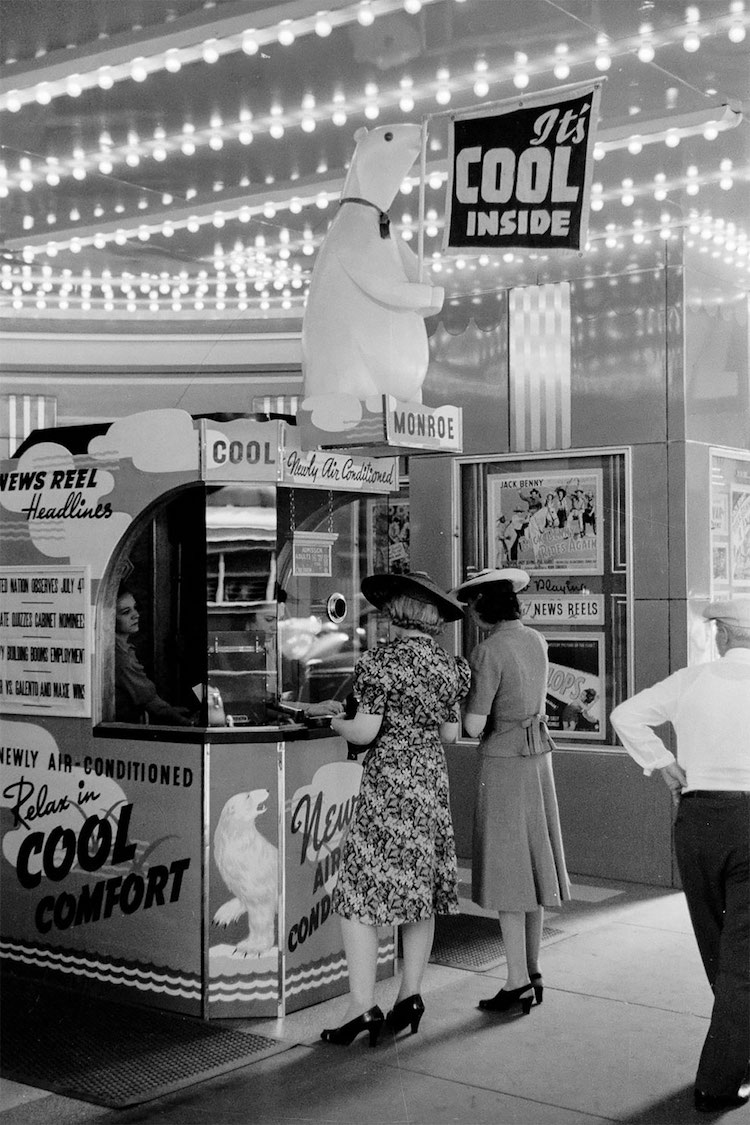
{"x":389,"y":534}
{"x":575,"y":686}
{"x":548,"y":522}
{"x":740,"y":538}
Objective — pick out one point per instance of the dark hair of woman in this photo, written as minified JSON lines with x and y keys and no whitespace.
{"x":497,"y":603}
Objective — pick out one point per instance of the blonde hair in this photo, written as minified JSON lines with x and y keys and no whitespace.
{"x":410,"y":612}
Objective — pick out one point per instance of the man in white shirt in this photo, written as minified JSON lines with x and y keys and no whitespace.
{"x":708,"y":706}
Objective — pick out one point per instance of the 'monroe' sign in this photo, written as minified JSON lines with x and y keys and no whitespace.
{"x":520,"y":174}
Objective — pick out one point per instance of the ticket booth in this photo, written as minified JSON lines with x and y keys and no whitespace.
{"x":187,"y":865}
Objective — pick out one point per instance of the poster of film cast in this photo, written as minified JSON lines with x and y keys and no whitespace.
{"x":548,"y":521}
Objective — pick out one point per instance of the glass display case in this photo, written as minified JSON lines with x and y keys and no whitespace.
{"x":564,"y":519}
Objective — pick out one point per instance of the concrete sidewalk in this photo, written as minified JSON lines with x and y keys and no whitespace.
{"x":617,"y":1038}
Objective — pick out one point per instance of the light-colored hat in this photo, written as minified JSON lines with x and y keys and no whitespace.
{"x":483,"y":579}
{"x":735,"y":611}
{"x":380,"y":588}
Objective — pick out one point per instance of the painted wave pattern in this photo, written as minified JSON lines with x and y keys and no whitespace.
{"x":144,"y":977}
{"x":307,"y":977}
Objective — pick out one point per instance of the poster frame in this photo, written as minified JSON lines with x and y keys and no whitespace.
{"x":616,"y":462}
{"x":729,"y":536}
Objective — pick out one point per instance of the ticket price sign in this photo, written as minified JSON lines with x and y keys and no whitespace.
{"x":45,"y":650}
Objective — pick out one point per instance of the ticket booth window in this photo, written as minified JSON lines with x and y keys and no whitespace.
{"x":161,"y":567}
{"x":248,"y":601}
{"x":565,"y":521}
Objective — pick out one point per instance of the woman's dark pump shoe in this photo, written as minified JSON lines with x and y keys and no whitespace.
{"x":715,"y":1103}
{"x":371,"y":1021}
{"x":538,"y":985}
{"x":408,"y":1011}
{"x":506,"y":999}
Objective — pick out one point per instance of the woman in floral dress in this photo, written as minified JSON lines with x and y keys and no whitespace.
{"x":398,"y":864}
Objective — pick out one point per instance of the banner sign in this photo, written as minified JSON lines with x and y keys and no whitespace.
{"x":424,"y":427}
{"x":45,"y":652}
{"x":519,"y":174}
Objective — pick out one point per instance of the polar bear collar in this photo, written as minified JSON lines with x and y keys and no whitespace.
{"x":384,"y":219}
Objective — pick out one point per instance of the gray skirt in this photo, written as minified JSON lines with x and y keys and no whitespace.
{"x":518,"y":861}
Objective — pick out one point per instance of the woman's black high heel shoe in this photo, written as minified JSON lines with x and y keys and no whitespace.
{"x":506,"y":999}
{"x":408,"y":1011}
{"x":538,"y":985}
{"x":371,"y":1021}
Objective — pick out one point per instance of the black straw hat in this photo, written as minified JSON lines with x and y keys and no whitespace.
{"x":380,"y":588}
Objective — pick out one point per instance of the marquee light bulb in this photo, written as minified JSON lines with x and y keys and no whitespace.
{"x":323,"y":27}
{"x":646,"y":52}
{"x":365,"y":15}
{"x":736,"y":33}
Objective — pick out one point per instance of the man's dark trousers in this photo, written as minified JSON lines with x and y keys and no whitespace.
{"x":712,"y":834}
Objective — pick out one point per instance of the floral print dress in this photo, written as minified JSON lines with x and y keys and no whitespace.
{"x":399,"y":857}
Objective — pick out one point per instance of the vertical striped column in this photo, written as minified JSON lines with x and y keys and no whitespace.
{"x":21,"y":414}
{"x":539,"y":353}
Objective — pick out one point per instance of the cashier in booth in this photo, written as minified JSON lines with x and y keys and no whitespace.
{"x":136,"y":697}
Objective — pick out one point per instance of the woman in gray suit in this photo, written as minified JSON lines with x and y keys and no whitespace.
{"x":518,"y":862}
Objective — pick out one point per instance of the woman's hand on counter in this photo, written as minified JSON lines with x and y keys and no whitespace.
{"x":326,"y":707}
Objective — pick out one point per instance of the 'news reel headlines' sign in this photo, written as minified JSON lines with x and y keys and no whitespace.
{"x":520,"y":175}
{"x":45,"y":654}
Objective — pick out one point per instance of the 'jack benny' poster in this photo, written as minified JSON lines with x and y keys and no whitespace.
{"x":545,"y":522}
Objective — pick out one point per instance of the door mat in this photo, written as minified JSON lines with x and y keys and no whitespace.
{"x":469,"y":941}
{"x":110,"y":1054}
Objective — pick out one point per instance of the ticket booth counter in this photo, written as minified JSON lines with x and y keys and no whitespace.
{"x":187,"y":867}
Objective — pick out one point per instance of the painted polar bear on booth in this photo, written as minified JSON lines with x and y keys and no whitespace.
{"x":363,"y":332}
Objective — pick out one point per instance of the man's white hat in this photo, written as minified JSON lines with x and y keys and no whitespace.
{"x":484,"y":579}
{"x":734,"y":611}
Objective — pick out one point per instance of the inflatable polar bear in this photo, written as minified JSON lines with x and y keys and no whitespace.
{"x":363,"y":331}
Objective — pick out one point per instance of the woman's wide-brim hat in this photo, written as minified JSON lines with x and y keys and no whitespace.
{"x":380,"y":588}
{"x":483,"y":580}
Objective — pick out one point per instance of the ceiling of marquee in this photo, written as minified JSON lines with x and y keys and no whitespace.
{"x":181,"y":159}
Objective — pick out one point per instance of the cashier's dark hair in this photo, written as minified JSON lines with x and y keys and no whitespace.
{"x":409,"y":612}
{"x":498,"y":602}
